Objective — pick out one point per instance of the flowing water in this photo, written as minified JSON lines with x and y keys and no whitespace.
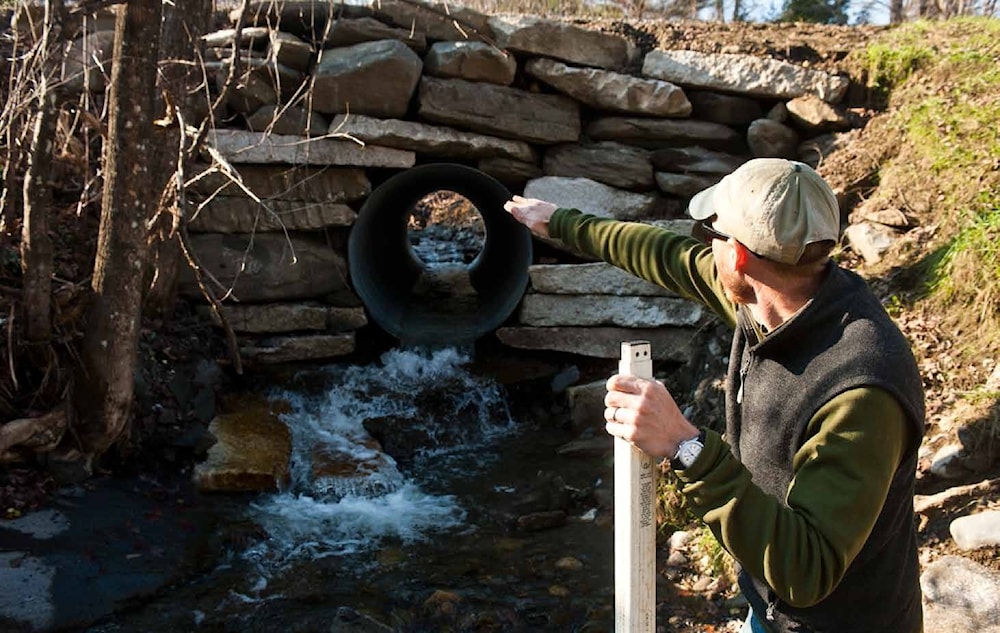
{"x":426,"y":540}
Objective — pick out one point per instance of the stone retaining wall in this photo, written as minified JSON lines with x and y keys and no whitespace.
{"x":327,"y":110}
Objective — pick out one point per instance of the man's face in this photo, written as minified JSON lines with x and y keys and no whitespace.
{"x":735,"y":285}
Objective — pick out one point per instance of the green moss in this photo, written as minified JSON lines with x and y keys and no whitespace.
{"x":945,"y":81}
{"x":889,"y":65}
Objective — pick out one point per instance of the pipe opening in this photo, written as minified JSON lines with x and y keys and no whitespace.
{"x":422,"y":281}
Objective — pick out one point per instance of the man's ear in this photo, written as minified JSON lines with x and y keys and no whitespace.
{"x":741,"y":255}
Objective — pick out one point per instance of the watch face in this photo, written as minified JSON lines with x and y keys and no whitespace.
{"x":689,"y":453}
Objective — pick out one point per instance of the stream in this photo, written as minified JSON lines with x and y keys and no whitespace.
{"x":476,"y":523}
{"x":425,"y":495}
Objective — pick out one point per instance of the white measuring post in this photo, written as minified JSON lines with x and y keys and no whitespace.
{"x":635,"y":517}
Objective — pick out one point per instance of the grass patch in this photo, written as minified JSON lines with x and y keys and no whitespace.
{"x":944,"y":79}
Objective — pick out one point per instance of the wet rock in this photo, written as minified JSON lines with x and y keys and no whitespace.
{"x":538,"y":521}
{"x":360,"y":469}
{"x":442,"y":603}
{"x":348,"y":620}
{"x":569,"y":563}
{"x":587,"y":447}
{"x":251,"y":454}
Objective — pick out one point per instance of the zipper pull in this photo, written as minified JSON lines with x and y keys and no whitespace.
{"x":744,"y":370}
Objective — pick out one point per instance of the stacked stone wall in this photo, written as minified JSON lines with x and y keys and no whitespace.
{"x":327,"y":106}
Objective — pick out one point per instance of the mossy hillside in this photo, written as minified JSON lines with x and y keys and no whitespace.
{"x":943,"y":86}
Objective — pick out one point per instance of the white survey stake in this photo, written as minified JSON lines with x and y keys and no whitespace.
{"x":635,"y":516}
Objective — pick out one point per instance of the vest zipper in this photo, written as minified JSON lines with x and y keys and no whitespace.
{"x":744,"y":370}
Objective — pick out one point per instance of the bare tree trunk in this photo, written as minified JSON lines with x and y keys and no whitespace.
{"x":737,"y":11}
{"x":36,"y":243}
{"x":103,"y":393}
{"x":720,"y":11}
{"x":183,"y":24}
{"x":895,"y":11}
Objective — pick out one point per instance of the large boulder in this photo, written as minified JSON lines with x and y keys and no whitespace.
{"x":375,"y":78}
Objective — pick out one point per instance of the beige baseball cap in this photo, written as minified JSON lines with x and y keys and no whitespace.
{"x":774,"y":207}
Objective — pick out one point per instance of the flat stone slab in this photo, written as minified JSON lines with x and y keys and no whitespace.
{"x":562,"y":40}
{"x":430,"y":139}
{"x":266,"y":266}
{"x":667,"y":344}
{"x":238,"y":146}
{"x":683,"y":184}
{"x":743,"y":74}
{"x":613,"y":164}
{"x":608,"y":90}
{"x":283,"y":182}
{"x":500,"y":110}
{"x":273,"y":318}
{"x":665,"y":133}
{"x":591,"y":279}
{"x":592,"y":197}
{"x":227,"y":214}
{"x":543,"y":310}
{"x":290,"y":349}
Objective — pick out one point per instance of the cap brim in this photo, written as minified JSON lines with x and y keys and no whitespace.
{"x":702,"y":205}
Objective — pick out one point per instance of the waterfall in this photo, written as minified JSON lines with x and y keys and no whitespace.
{"x":351,"y":492}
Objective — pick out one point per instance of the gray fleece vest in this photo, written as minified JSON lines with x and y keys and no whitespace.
{"x":841,"y":340}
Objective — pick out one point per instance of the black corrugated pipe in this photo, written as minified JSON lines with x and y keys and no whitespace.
{"x":401,"y":292}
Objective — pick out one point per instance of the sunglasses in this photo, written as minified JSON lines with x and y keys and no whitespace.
{"x":704,"y":232}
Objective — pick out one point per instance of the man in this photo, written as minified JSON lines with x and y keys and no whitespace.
{"x":811,"y":489}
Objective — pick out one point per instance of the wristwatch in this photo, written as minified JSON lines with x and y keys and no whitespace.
{"x":688,"y":451}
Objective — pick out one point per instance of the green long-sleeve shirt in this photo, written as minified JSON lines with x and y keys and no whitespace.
{"x":800,"y":545}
